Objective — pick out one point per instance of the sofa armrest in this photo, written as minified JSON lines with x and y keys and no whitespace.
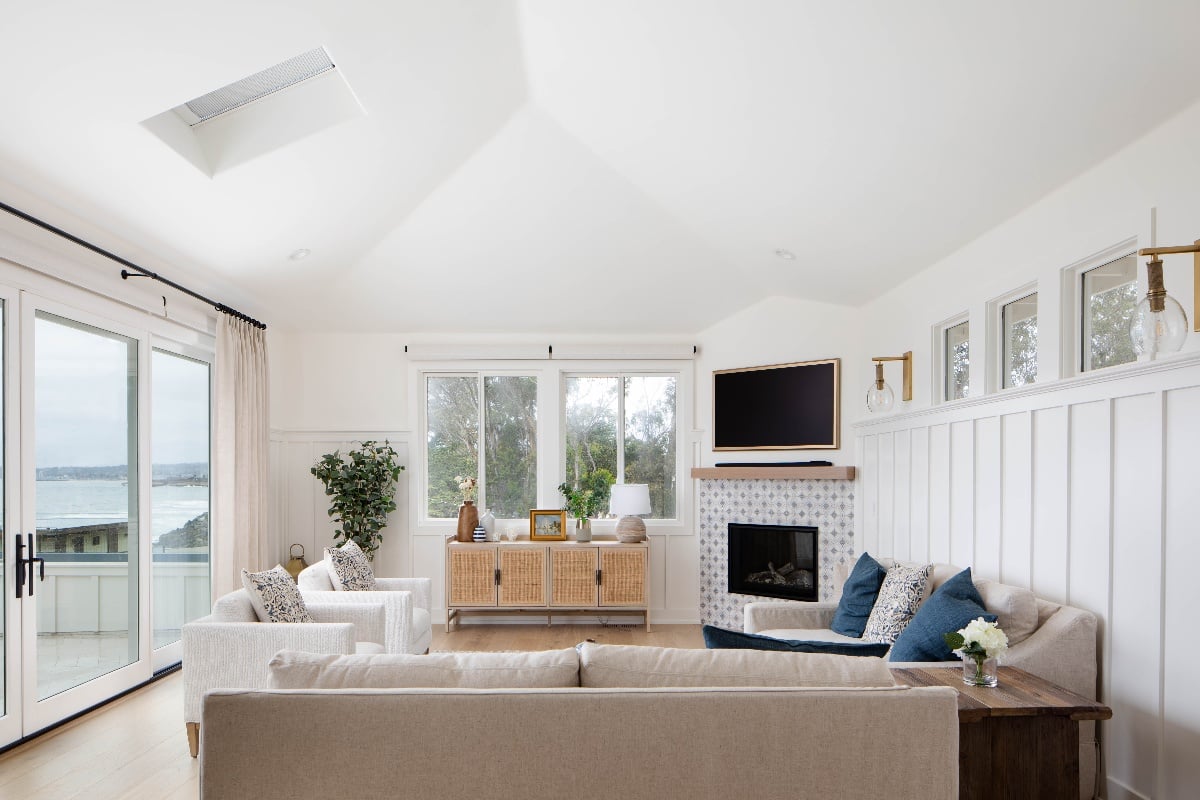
{"x":1062,"y":650}
{"x":369,"y":619}
{"x":421,"y":588}
{"x":233,"y":655}
{"x":770,"y":616}
{"x":399,"y":635}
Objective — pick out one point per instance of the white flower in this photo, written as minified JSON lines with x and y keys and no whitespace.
{"x":987,"y":634}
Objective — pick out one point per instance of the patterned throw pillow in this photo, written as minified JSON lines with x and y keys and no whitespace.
{"x":349,"y":568}
{"x":275,"y":596}
{"x":897,"y":602}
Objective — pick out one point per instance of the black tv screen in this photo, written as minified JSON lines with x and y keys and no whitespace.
{"x":778,"y":407}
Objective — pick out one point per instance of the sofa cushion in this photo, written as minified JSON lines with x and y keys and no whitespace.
{"x":858,"y":596}
{"x":952,"y":605}
{"x":1016,"y":609}
{"x":721,"y":639}
{"x":898,"y":600}
{"x":274,"y":596}
{"x":630,"y":666}
{"x":349,"y":568}
{"x":551,"y":669}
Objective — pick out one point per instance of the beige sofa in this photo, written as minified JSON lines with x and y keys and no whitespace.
{"x":1056,"y":642}
{"x":636,"y":723}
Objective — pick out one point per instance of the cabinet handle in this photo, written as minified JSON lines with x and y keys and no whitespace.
{"x":496,"y":576}
{"x":597,"y":577}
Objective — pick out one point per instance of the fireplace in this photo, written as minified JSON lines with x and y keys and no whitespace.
{"x":773,"y":560}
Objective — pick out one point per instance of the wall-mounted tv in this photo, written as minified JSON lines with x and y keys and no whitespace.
{"x":778,"y":407}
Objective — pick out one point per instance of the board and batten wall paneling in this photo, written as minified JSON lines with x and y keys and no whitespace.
{"x":918,"y":477}
{"x":1016,"y":502}
{"x":1051,"y":512}
{"x":1084,"y":492}
{"x":1180,"y":698}
{"x":1134,"y":624}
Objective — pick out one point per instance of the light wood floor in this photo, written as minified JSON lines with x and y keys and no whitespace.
{"x":136,"y":748}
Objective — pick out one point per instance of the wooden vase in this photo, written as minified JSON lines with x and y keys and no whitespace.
{"x":468,"y":518}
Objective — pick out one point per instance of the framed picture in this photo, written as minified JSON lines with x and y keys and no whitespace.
{"x":547,"y":525}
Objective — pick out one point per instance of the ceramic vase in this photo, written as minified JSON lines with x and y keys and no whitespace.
{"x":468,"y":518}
{"x":583,"y":530}
{"x":488,"y":521}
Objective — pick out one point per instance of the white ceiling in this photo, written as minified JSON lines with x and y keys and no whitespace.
{"x":560,"y":165}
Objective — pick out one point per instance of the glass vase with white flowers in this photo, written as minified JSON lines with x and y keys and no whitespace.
{"x":979,"y":644}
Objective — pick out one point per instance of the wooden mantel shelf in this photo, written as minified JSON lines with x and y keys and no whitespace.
{"x":769,"y":471}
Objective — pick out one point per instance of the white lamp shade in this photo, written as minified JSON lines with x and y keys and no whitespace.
{"x":629,"y":499}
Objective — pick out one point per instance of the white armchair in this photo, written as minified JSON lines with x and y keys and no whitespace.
{"x":409,"y":624}
{"x":230,"y":648}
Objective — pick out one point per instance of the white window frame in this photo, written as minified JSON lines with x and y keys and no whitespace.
{"x":551,"y":433}
{"x":621,"y":375}
{"x":994,"y":360}
{"x":941,"y":376}
{"x":1071,"y":312}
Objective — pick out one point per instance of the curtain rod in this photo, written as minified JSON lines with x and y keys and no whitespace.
{"x":125,"y":273}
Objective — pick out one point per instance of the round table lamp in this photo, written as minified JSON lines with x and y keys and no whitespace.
{"x":626,"y":501}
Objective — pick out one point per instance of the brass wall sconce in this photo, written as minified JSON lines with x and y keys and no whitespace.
{"x":1159,"y":324}
{"x":880,"y":396}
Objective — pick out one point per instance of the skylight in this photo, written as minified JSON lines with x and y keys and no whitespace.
{"x":255,"y":87}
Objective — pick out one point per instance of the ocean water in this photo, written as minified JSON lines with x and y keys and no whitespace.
{"x":70,"y":504}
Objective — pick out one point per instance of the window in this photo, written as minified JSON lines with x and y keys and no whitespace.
{"x":1019,"y":333}
{"x":1109,"y":294}
{"x":625,"y":424}
{"x":504,"y":408}
{"x":956,"y":349}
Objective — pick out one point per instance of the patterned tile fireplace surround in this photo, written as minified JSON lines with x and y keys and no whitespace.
{"x":826,"y":504}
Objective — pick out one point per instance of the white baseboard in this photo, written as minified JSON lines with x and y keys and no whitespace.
{"x":1119,"y":791}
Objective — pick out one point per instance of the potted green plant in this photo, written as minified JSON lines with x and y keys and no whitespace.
{"x":363,"y":487}
{"x":586,"y":498}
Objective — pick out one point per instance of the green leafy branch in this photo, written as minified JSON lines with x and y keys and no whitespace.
{"x":363,"y":487}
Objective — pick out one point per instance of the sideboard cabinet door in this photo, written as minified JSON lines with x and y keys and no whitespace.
{"x":623,"y":576}
{"x":471,"y":574}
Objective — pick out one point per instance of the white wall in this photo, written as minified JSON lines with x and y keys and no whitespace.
{"x":1082,"y":488}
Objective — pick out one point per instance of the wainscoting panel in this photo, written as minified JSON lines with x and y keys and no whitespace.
{"x":1085,"y":492}
{"x":1180,"y":699}
{"x":1051,"y":512}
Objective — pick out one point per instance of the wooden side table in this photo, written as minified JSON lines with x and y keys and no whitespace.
{"x":1016,"y":740}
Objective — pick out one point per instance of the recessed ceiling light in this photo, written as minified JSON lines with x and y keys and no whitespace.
{"x":301,"y":254}
{"x":787,"y":255}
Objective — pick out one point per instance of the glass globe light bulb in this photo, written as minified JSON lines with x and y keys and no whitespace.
{"x":880,"y":398}
{"x":1158,"y":332}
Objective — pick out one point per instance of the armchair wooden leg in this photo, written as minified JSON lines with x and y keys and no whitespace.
{"x":193,"y":733}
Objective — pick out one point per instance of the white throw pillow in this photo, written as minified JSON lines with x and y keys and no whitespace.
{"x":901,"y":594}
{"x":551,"y":669}
{"x":630,"y":666}
{"x":349,"y":568}
{"x":275,"y":596}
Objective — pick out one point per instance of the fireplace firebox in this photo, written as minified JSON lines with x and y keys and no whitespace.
{"x":773,"y":560}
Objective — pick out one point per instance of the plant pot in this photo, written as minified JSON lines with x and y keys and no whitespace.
{"x":979,"y":671}
{"x":468,"y":518}
{"x":583,"y":530}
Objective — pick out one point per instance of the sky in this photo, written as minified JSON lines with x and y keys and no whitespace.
{"x":82,"y":389}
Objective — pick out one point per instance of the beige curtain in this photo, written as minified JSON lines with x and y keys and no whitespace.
{"x":240,"y":433}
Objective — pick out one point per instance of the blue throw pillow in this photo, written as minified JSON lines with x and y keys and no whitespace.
{"x":955,"y":603}
{"x":721,"y":639}
{"x":858,"y":597}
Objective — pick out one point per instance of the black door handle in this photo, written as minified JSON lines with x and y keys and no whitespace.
{"x":23,"y":563}
{"x":20,"y":566}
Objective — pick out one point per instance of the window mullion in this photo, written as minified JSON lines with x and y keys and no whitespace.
{"x":620,"y":427}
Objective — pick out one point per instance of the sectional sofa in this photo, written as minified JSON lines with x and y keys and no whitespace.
{"x":598,"y":722}
{"x":1053,"y":641}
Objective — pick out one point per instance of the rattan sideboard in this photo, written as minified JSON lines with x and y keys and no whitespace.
{"x":546,"y":578}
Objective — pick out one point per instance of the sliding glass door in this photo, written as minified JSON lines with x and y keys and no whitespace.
{"x":105,"y":493}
